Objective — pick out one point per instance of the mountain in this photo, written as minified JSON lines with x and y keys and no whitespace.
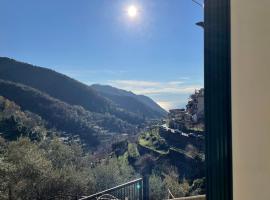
{"x":55,"y":84}
{"x":71,"y":107}
{"x":69,"y":119}
{"x":139,"y":104}
{"x":62,"y":87}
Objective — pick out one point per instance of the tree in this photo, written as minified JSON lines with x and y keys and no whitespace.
{"x":157,"y":189}
{"x":111,"y":172}
{"x":39,"y":170}
{"x":25,"y":170}
{"x":172,"y":183}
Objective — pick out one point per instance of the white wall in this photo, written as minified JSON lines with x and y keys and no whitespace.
{"x":251,"y":98}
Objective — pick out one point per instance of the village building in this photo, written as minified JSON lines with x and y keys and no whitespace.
{"x":194,"y":112}
{"x":195,"y":105}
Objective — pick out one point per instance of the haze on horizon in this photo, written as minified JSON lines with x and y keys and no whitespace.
{"x":157,"y":52}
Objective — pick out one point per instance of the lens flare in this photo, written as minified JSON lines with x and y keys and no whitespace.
{"x":132,"y":11}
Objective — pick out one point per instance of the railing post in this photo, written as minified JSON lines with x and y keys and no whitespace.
{"x":146,"y":187}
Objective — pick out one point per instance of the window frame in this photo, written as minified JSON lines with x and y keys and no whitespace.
{"x":217,"y":77}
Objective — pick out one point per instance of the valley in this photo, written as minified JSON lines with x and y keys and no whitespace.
{"x":108,"y":134}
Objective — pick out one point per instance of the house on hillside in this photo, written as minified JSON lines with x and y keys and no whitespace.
{"x":195,"y":106}
{"x":182,"y":119}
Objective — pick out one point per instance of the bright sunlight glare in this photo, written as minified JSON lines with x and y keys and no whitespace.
{"x":132,"y":11}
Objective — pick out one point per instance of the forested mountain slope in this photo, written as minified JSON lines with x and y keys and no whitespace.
{"x":63,"y":88}
{"x":62,"y":116}
{"x":138,"y":104}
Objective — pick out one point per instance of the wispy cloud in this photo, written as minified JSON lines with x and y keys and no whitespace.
{"x":168,"y":94}
{"x":134,"y":83}
{"x":154,"y":88}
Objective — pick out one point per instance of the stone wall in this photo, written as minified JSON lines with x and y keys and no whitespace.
{"x":182,"y":140}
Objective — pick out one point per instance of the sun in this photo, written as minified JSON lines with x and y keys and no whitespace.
{"x":132,"y":11}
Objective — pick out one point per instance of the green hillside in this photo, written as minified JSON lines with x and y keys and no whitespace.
{"x":62,"y":116}
{"x":63,"y":88}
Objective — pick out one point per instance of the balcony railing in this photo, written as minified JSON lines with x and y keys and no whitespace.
{"x":132,"y":190}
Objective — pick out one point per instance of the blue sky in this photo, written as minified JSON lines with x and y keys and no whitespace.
{"x":158,"y":53}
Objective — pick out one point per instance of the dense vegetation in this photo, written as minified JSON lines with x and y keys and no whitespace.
{"x":15,"y":123}
{"x":39,"y":113}
{"x":163,"y":175}
{"x":62,"y":116}
{"x":154,"y":141}
{"x":35,"y":164}
{"x":50,"y":168}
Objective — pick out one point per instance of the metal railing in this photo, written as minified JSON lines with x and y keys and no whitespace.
{"x":132,"y":190}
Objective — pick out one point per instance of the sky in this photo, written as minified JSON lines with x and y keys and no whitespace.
{"x":158,"y":53}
